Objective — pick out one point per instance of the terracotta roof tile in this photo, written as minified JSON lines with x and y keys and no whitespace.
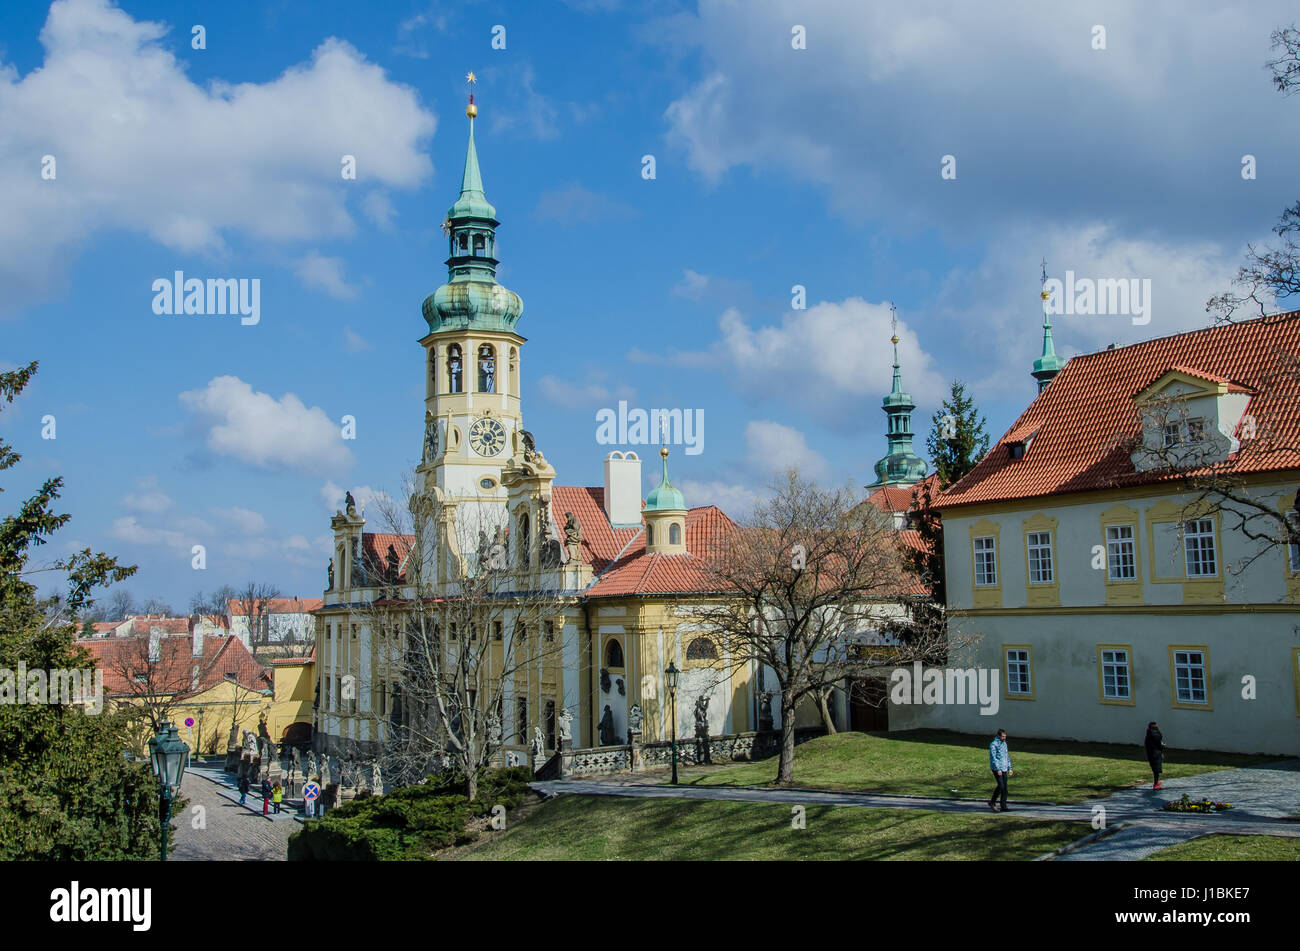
{"x":279,"y":605}
{"x":222,"y":654}
{"x":1087,"y":415}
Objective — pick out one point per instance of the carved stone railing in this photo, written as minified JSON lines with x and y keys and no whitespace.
{"x":731,"y":747}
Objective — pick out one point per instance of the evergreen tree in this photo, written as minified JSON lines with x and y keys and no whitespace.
{"x":957,"y":440}
{"x":69,"y":792}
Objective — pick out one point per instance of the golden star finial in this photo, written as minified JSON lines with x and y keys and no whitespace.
{"x":470,"y":77}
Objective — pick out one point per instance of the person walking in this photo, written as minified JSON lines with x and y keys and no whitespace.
{"x":277,"y":796}
{"x":243,"y":789}
{"x":1155,"y":744}
{"x":1000,"y":764}
{"x":266,"y":796}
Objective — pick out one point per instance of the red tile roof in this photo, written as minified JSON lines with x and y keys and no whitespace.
{"x":601,"y":542}
{"x":637,"y":572}
{"x":1085,"y":418}
{"x":898,"y":498}
{"x":144,"y":623}
{"x":278,"y":605}
{"x":117,"y":657}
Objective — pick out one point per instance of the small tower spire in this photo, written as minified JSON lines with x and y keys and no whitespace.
{"x":1049,"y":364}
{"x":901,"y":465}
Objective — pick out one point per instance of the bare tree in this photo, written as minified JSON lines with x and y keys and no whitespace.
{"x":158,"y":606}
{"x":213,"y":604}
{"x":158,"y":672}
{"x":120,"y":605}
{"x":254,"y":601}
{"x":802,"y":586}
{"x":467,"y":614}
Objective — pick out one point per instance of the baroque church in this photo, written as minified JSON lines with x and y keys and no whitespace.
{"x":625,"y":565}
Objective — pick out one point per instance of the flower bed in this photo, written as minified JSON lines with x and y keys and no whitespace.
{"x":1187,"y":804}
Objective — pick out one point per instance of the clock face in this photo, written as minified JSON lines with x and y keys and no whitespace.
{"x":487,"y":437}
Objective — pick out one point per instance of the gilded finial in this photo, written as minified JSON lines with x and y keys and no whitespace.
{"x":471,"y":110}
{"x":893,"y":323}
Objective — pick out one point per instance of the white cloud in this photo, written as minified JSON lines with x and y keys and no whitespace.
{"x":260,"y":430}
{"x":244,"y":520}
{"x":331,"y":496}
{"x":772,"y":448}
{"x":832,"y":355}
{"x":574,"y":395}
{"x":354,"y":342}
{"x":324,"y":274}
{"x":180,"y":534}
{"x":142,"y":147}
{"x":379,"y":208}
{"x":149,"y":499}
{"x":530,"y":112}
{"x":735,"y":500}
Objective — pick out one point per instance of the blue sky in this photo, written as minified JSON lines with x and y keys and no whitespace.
{"x":775,"y":166}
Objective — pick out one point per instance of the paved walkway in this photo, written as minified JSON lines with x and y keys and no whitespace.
{"x":1263,"y":797}
{"x":227,"y":831}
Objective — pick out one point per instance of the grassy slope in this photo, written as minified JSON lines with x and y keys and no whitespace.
{"x":1232,"y":848}
{"x":935,"y":763}
{"x":605,"y":827}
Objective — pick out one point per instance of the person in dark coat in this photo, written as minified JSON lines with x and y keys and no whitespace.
{"x":243,"y":789}
{"x":266,"y":796}
{"x":1155,"y":744}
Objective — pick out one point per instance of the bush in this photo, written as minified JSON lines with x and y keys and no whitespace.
{"x":408,"y":823}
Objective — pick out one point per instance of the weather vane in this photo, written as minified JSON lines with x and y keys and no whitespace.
{"x":893,"y":322}
{"x":470,"y":79}
{"x":1045,"y":294}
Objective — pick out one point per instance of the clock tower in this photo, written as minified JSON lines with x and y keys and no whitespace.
{"x":473,"y":420}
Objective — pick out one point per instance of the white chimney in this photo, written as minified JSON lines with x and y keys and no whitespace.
{"x":197,"y":629}
{"x":155,"y":643}
{"x":623,"y":489}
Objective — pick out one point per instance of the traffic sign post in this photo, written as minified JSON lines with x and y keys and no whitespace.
{"x":310,"y":792}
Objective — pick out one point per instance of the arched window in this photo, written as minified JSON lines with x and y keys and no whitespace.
{"x":649,"y":536}
{"x":524,"y":541}
{"x":433,"y":369}
{"x":614,"y":655}
{"x":464,"y":243}
{"x":674,"y":534}
{"x":487,"y":369}
{"x":478,"y":245}
{"x":702,"y":648}
{"x":514,"y":371}
{"x":453,"y":368}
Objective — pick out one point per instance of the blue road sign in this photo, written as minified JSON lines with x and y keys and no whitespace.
{"x":310,"y":791}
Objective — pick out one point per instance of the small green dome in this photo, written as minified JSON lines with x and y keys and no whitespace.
{"x":485,"y":305}
{"x":665,"y":497}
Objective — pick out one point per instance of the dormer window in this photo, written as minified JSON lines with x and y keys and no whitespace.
{"x":1169,"y":436}
{"x":1016,"y":450}
{"x":1195,"y":430}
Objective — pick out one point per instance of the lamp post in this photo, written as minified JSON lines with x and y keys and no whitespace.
{"x":670,"y":680}
{"x":170,"y":756}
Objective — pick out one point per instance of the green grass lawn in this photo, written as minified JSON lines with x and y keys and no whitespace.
{"x":599,"y":828}
{"x":955,"y":765}
{"x":1232,"y":848}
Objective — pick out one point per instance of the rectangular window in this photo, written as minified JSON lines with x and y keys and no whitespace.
{"x":1040,"y":557}
{"x":496,"y":630}
{"x":1195,"y":430}
{"x":1294,"y":548}
{"x":1116,"y":682}
{"x":986,"y":566}
{"x":1170,"y":435}
{"x":1018,"y":674}
{"x":1121,"y":556}
{"x":1198,"y":541}
{"x":549,"y":628}
{"x":521,"y":720}
{"x":1189,"y":676}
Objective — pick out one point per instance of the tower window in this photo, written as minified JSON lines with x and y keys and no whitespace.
{"x":649,"y":536}
{"x":614,"y":655}
{"x":487,"y":369}
{"x":464,"y":242}
{"x":453,"y":368}
{"x":478,"y":245}
{"x":524,"y":541}
{"x":674,"y":534}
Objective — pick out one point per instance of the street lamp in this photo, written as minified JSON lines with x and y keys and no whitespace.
{"x":170,"y":756}
{"x":670,"y":680}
